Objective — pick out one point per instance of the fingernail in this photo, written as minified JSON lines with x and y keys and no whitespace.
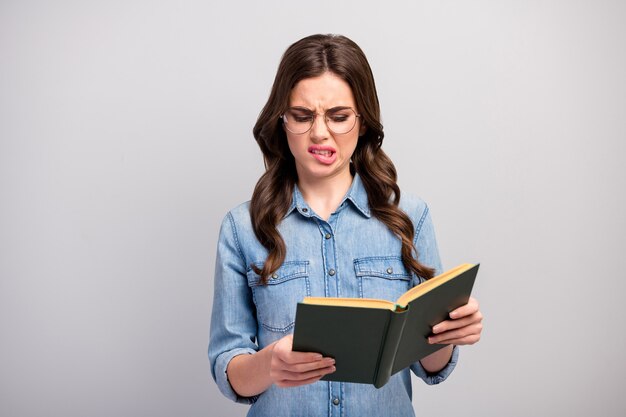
{"x":430,"y":340}
{"x":454,"y":315}
{"x":436,"y":329}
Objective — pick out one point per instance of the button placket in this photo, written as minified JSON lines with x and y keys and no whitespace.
{"x":336,"y":398}
{"x":330,"y":258}
{"x":330,"y":267}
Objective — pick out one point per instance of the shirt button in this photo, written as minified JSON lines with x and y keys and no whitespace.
{"x":304,"y":210}
{"x":327,"y":235}
{"x":390,"y":270}
{"x":331,"y":272}
{"x":274,"y":276}
{"x":336,"y":401}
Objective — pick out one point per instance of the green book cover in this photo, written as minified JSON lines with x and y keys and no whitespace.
{"x":373,"y":339}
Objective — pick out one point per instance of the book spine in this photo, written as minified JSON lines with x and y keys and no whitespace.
{"x":389,"y":348}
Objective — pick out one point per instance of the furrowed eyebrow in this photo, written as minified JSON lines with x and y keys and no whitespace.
{"x":331,"y":110}
{"x":338,"y":108}
{"x":303,"y":109}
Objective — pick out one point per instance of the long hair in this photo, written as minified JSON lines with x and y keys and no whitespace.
{"x":311,"y":57}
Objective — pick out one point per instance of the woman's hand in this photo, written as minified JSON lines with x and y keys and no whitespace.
{"x":464,"y":328}
{"x":278,"y":364}
{"x":292,"y":369}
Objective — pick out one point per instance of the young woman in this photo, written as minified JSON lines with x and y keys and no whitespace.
{"x":325,"y":219}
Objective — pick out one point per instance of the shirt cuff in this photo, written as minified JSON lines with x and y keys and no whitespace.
{"x":433,"y":379}
{"x":221,"y":377}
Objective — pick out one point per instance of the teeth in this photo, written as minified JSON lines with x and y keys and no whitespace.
{"x":320,"y":152}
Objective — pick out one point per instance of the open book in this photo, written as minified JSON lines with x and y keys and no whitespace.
{"x":373,"y":339}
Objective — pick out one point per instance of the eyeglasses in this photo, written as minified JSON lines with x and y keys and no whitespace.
{"x":339,"y":120}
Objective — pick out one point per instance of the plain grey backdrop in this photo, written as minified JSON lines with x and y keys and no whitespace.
{"x":125,"y":136}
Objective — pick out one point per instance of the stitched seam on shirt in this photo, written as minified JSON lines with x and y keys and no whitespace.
{"x":283,"y":278}
{"x":236,"y":236}
{"x":418,"y":229}
{"x":363,"y":270}
{"x":278,"y":329}
{"x":363,"y":211}
{"x":336,"y":254}
{"x":343,"y":397}
{"x":330,"y":398}
{"x":365,"y":259}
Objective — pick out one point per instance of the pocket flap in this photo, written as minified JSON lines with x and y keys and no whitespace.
{"x":389,"y":267}
{"x":287,"y":271}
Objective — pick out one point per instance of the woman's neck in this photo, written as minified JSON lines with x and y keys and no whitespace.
{"x":324,"y":196}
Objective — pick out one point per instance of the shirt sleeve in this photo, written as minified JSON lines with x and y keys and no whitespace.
{"x":436,"y":378}
{"x":233,"y":322}
{"x":428,"y":252}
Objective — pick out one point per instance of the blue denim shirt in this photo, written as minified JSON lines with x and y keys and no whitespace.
{"x":346,"y":256}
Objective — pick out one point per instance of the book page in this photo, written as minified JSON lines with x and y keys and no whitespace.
{"x":351,"y":302}
{"x":434,"y":282}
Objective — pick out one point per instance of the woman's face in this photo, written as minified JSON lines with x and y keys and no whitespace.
{"x":319,"y":153}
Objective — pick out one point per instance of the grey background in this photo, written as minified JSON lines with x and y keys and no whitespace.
{"x":125,"y":136}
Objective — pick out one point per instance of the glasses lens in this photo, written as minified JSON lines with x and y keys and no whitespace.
{"x":341,"y":121}
{"x":298,"y":121}
{"x":338,"y":121}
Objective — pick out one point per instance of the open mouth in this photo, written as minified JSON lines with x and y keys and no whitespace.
{"x":322,"y":152}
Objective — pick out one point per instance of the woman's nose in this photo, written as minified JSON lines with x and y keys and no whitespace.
{"x":319,"y":130}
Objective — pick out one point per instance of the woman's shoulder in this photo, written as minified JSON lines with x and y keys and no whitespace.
{"x":413,"y":205}
{"x":241,"y":210}
{"x":239,"y":217}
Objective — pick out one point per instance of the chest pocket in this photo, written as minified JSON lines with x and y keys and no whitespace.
{"x":383,"y":277}
{"x":277,"y":300}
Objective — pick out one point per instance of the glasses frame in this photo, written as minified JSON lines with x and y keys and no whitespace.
{"x":283,"y":117}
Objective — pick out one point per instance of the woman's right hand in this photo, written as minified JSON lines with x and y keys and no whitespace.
{"x":292,"y":369}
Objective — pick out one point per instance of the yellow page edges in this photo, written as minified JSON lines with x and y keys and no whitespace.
{"x":434,"y":282}
{"x":351,"y":302}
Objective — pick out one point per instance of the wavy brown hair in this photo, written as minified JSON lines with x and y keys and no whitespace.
{"x":311,"y":57}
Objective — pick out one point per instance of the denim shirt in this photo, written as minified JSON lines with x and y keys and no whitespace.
{"x":350,"y":255}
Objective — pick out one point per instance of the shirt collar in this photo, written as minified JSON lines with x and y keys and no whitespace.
{"x":356,"y":195}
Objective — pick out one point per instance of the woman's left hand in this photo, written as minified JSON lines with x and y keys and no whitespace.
{"x":463,"y":328}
